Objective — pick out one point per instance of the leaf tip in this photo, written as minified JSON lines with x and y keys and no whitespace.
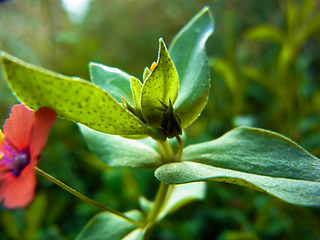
{"x":3,"y":56}
{"x":162,"y":45}
{"x":205,"y":9}
{"x":92,"y":64}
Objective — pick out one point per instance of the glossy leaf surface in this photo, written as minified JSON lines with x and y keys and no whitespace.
{"x":73,"y":99}
{"x":117,"y":151}
{"x":113,"y":80}
{"x":187,"y":51}
{"x":254,"y":158}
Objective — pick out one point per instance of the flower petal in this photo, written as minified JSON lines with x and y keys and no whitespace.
{"x":18,"y":192}
{"x":44,"y":118}
{"x":4,"y":175}
{"x":17,"y":128}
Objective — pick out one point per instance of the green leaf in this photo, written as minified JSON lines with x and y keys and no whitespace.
{"x":73,"y":99}
{"x":188,"y":53}
{"x":161,"y":84}
{"x":113,"y":80}
{"x":145,"y":204}
{"x":108,"y":226}
{"x":137,"y":234}
{"x":254,"y":158}
{"x":117,"y":151}
{"x":265,"y":33}
{"x":179,"y":196}
{"x":182,"y":195}
{"x":146,"y":73}
{"x":136,"y":86}
{"x":119,"y":84}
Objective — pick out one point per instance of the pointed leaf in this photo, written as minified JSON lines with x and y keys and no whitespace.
{"x":113,"y":80}
{"x":146,"y":73}
{"x":108,"y":226}
{"x":161,"y":85}
{"x":187,"y":51}
{"x":257,"y":151}
{"x":116,"y":151}
{"x":118,"y":84}
{"x":71,"y":98}
{"x":136,"y":86}
{"x":254,"y":158}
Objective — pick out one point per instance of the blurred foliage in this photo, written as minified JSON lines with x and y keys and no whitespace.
{"x":265,"y":68}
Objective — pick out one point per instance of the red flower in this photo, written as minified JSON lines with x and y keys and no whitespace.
{"x":25,"y":134}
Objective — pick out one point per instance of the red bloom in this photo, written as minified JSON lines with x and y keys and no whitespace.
{"x":25,"y":134}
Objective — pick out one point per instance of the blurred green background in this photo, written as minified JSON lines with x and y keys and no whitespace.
{"x":265,"y":67}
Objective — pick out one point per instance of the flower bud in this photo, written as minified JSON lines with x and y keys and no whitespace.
{"x":170,"y":123}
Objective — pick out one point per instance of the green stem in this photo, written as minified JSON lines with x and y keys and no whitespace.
{"x":180,"y":151}
{"x":158,"y":203}
{"x":83,"y":197}
{"x":164,"y":191}
{"x":166,"y":151}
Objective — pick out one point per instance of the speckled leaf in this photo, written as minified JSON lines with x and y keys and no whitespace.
{"x":161,"y":85}
{"x":118,"y":84}
{"x":136,"y":86}
{"x":117,"y":151}
{"x":254,"y":158}
{"x":71,"y":98}
{"x":108,"y":226}
{"x":187,"y":51}
{"x":113,"y":80}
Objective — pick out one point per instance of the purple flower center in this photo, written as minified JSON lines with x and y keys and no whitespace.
{"x":21,"y":160}
{"x":15,"y":160}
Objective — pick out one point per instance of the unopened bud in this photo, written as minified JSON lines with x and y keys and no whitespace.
{"x":170,"y":123}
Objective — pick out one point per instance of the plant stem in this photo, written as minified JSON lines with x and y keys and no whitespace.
{"x":158,"y":203}
{"x":180,"y":151}
{"x":83,"y":197}
{"x":166,"y":151}
{"x":165,"y":190}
